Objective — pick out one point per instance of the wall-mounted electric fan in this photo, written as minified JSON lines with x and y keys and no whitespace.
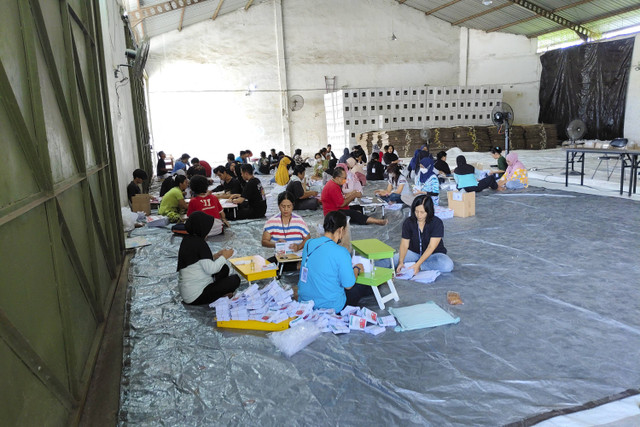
{"x":502,"y":116}
{"x":138,"y":58}
{"x":296,"y":102}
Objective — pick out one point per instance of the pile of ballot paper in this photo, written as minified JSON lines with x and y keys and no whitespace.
{"x":273,"y":304}
{"x":270,"y":304}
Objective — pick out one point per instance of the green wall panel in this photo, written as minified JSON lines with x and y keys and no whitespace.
{"x":24,"y":399}
{"x":14,"y":165}
{"x":61,"y":243}
{"x":28,"y":295}
{"x":55,"y":32}
{"x":11,"y":46}
{"x":62,"y":163}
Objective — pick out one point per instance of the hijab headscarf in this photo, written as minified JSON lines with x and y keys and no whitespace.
{"x":282,"y":173}
{"x":427,"y":162}
{"x":514,"y":164}
{"x":463,"y":168}
{"x":193,"y":247}
{"x":344,"y":156}
{"x":355,"y":166}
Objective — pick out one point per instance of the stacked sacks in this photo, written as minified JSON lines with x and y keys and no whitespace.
{"x":540,"y":136}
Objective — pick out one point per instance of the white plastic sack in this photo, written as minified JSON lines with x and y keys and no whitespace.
{"x":292,"y":340}
{"x":128,"y":219}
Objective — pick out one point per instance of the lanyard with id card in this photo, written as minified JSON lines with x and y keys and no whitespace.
{"x":304,"y":271}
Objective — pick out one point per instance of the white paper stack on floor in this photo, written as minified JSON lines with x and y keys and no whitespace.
{"x":273,"y":304}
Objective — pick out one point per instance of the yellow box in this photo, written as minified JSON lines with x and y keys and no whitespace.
{"x":252,"y":270}
{"x":254,"y":325}
{"x":463,"y":204}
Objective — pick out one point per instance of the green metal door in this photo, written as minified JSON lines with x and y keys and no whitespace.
{"x":61,"y":247}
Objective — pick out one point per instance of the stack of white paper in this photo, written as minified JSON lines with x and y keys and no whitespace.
{"x":273,"y":304}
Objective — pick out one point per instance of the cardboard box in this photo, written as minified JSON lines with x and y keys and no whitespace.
{"x":463,"y":204}
{"x":141,"y":203}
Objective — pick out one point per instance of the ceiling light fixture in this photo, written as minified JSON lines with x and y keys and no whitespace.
{"x":393,"y":37}
{"x":487,"y":2}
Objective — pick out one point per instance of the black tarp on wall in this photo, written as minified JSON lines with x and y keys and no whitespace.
{"x":587,"y":82}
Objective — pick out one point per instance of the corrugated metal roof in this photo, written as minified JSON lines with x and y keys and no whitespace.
{"x":501,"y":15}
{"x":155,"y":17}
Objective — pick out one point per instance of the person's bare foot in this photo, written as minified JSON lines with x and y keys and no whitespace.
{"x":378,"y":221}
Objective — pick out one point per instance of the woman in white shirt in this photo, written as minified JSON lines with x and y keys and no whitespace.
{"x":203,"y":276}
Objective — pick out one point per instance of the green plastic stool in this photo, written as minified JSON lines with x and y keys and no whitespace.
{"x":374,"y":249}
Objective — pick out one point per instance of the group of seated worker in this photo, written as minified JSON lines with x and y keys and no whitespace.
{"x":515,"y":175}
{"x":326,"y":274}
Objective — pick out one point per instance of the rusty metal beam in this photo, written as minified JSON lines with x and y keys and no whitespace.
{"x":535,"y":15}
{"x":583,"y":33}
{"x":215,"y":14}
{"x":434,"y":10}
{"x":595,"y":18}
{"x":181,"y":19}
{"x":248,"y":5}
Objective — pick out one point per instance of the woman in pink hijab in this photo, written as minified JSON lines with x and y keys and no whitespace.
{"x":515,"y":177}
{"x":356,"y":169}
{"x":352,"y":183}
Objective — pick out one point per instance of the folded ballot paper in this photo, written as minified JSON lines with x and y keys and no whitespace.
{"x":425,"y":276}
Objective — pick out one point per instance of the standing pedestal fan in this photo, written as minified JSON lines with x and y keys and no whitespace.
{"x":425,"y":134}
{"x":502,"y":117}
{"x":576,"y":130}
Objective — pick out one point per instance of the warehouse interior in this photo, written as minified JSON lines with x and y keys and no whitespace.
{"x":94,"y":334}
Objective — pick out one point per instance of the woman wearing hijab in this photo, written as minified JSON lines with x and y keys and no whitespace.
{"x":282,"y":173}
{"x":427,"y":180}
{"x":345,"y":156}
{"x":203,"y":276}
{"x":465,"y":177}
{"x":356,"y":169}
{"x":515,"y":177}
{"x":352,"y":183}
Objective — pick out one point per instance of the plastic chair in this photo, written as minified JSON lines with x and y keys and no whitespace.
{"x":616,"y":143}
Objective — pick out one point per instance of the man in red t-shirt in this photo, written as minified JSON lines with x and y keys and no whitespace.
{"x":203,"y":201}
{"x":333,"y":200}
{"x":207,"y":168}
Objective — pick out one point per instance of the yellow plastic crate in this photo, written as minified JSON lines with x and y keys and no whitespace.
{"x":255,"y":325}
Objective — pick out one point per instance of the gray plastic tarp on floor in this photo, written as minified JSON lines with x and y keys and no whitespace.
{"x":551,"y":319}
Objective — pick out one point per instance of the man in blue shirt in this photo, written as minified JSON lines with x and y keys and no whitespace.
{"x":182,"y":163}
{"x":326,"y":274}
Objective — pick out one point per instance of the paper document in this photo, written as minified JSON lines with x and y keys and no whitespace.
{"x":424,"y":276}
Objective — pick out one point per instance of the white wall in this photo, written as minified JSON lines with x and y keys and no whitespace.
{"x":632,"y":110}
{"x":511,"y":61}
{"x":199,"y":77}
{"x":124,"y":130}
{"x":198,"y":83}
